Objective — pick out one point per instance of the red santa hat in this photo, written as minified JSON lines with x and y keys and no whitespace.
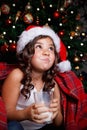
{"x":64,"y":64}
{"x":33,"y":31}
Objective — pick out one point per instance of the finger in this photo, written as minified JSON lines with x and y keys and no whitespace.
{"x":41,"y":118}
{"x":38,"y":121}
{"x":54,"y":103}
{"x":54,"y":115}
{"x":41,"y":104}
{"x":41,"y":110}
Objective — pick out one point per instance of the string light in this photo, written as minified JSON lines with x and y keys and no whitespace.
{"x":72,"y":12}
{"x":38,"y":9}
{"x":60,"y":24}
{"x":4,"y":33}
{"x":77,"y":68}
{"x":49,"y":19}
{"x":81,"y":55}
{"x":10,"y":41}
{"x":69,"y":47}
{"x":13,"y":26}
{"x":50,"y":5}
{"x":71,"y":37}
{"x":82,"y":44}
{"x":13,"y":5}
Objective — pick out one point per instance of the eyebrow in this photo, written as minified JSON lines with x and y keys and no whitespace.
{"x":38,"y":43}
{"x":41,"y":43}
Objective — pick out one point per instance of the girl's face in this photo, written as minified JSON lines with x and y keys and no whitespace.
{"x":44,"y":55}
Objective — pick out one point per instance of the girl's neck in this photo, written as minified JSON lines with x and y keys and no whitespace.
{"x":36,"y":76}
{"x":37,"y":80}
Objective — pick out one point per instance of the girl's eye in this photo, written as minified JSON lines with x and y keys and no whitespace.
{"x":38,"y":46}
{"x":51,"y":48}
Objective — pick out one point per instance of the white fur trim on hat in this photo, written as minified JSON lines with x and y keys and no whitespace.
{"x":64,"y":66}
{"x":30,"y":34}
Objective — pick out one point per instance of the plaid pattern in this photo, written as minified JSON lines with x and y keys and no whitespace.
{"x":5,"y":69}
{"x":73,"y":97}
{"x":74,"y":101}
{"x":3,"y":118}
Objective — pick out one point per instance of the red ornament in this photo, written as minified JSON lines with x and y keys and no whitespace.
{"x":61,"y":33}
{"x":78,"y":17}
{"x":64,"y":20}
{"x":4,"y":47}
{"x":84,"y":58}
{"x":28,"y":18}
{"x":12,"y":47}
{"x":56,"y":14}
{"x":67,"y":3}
{"x":81,"y":77}
{"x":5,"y":9}
{"x":8,"y":21}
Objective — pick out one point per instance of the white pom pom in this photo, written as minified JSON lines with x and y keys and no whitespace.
{"x":64,"y":66}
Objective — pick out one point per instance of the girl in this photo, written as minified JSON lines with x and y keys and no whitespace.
{"x":37,"y":52}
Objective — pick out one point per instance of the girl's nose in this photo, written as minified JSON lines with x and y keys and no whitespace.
{"x":46,"y":52}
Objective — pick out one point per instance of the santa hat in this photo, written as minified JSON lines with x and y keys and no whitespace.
{"x":64,"y":64}
{"x":33,"y":31}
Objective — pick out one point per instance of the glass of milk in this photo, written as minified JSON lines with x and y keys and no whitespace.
{"x":44,"y":97}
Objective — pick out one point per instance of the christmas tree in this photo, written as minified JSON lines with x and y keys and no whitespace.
{"x":66,"y":17}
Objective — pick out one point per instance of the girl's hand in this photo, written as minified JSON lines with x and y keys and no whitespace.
{"x":54,"y":107}
{"x":38,"y":113}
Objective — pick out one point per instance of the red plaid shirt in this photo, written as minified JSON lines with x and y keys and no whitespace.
{"x":74,"y":101}
{"x":3,"y":116}
{"x":5,"y":69}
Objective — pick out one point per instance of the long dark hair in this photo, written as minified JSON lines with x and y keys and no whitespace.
{"x":24,"y":59}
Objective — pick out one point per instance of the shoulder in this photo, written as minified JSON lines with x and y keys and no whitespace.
{"x":12,"y":82}
{"x":15,"y":74}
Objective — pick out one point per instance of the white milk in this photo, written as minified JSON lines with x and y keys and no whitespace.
{"x":49,"y":114}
